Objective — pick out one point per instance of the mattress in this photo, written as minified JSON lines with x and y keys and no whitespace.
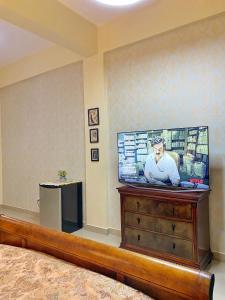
{"x":28,"y":274}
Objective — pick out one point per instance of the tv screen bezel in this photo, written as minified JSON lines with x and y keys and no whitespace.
{"x":158,"y":186}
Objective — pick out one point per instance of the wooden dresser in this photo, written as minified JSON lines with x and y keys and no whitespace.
{"x":166,"y":224}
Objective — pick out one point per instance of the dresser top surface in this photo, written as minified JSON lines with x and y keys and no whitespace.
{"x":190,"y":196}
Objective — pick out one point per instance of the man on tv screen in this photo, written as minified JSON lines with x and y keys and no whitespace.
{"x":160,"y":167}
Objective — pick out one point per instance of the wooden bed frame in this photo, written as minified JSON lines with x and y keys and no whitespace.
{"x":156,"y":278}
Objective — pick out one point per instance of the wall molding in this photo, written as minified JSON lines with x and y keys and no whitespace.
{"x":219,"y":256}
{"x":4,"y":209}
{"x":101,"y":230}
{"x":116,"y":232}
{"x":19,"y":210}
{"x":95,"y":229}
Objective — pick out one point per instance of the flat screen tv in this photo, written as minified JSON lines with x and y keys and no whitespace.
{"x":175,"y":158}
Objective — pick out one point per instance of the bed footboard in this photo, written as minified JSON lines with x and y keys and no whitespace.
{"x":156,"y":278}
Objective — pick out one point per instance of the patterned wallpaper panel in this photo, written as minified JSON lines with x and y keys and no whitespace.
{"x":176,"y":79}
{"x":42,"y":132}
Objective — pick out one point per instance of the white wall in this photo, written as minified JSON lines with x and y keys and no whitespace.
{"x":172,"y":80}
{"x":42,"y":132}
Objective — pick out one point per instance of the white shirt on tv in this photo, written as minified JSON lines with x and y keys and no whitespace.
{"x":164,"y":170}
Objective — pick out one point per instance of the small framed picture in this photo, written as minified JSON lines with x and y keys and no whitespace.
{"x":94,"y":154}
{"x":93,"y":116}
{"x":94,"y":135}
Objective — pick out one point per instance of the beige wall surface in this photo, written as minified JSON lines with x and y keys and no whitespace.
{"x":96,"y":172}
{"x":172,"y":80}
{"x":42,"y":132}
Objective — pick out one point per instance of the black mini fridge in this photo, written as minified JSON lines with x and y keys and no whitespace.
{"x":61,"y":205}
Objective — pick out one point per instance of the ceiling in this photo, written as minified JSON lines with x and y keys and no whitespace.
{"x":100,"y":13}
{"x":16,"y":43}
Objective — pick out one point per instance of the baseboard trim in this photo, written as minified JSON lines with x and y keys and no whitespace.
{"x":96,"y":229}
{"x":219,"y":256}
{"x":116,"y":232}
{"x":18,"y":209}
{"x":102,"y":230}
{"x":92,"y":228}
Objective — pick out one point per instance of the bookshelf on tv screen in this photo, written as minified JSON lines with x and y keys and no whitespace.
{"x":177,"y":157}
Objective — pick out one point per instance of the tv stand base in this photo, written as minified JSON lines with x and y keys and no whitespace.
{"x":168,"y":225}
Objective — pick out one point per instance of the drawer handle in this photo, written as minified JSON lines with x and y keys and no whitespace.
{"x":174,"y":245}
{"x":138,"y":220}
{"x":173,"y":227}
{"x":139,"y":237}
{"x":138,"y":205}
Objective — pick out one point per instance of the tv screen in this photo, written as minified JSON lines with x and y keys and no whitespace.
{"x":177,"y":157}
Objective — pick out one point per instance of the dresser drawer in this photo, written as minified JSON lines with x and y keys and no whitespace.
{"x":157,"y":242}
{"x":175,"y":228}
{"x":159,"y":208}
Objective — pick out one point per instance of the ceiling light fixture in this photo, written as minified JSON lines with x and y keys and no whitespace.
{"x":118,"y":2}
